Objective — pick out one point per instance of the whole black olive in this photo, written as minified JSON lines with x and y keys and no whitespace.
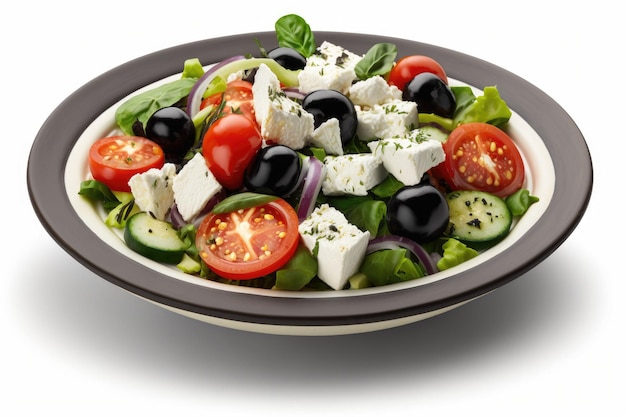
{"x":328,"y":104}
{"x":431,"y":94}
{"x":173,"y":130}
{"x":418,"y":212}
{"x":287,"y":58}
{"x":274,"y":170}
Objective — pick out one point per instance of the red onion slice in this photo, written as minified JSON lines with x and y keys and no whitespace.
{"x":232,"y":65}
{"x":294,"y":93}
{"x":395,"y":242}
{"x":177,"y":219}
{"x":198,"y":89}
{"x":311,"y":188}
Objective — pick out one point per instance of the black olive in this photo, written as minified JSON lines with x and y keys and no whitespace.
{"x":431,"y":94}
{"x":274,"y":170}
{"x":328,"y":104}
{"x":418,"y":212}
{"x":173,"y":130}
{"x":287,"y":58}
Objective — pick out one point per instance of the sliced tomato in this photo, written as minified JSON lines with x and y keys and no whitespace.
{"x":249,"y":243}
{"x":228,"y":146}
{"x":114,"y":160}
{"x":238,"y":98}
{"x":409,"y":66}
{"x":482,"y":157}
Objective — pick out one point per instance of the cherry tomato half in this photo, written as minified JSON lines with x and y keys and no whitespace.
{"x":228,"y":146}
{"x":115,"y":159}
{"x":238,"y":98}
{"x":249,"y":243}
{"x":408,"y":67}
{"x":480,"y":156}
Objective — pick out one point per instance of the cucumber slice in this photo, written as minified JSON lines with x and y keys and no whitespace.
{"x":477,"y":217}
{"x":154,"y":238}
{"x":189,"y":265}
{"x":120,"y":214}
{"x":434,"y":133}
{"x":358,"y":281}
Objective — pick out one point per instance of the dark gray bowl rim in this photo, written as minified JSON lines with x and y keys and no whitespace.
{"x":59,"y":133}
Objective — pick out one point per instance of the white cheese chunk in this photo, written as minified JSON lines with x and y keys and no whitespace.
{"x":193,"y":187}
{"x":328,"y":137}
{"x":282,"y":120}
{"x":153,"y":191}
{"x":408,"y":159}
{"x":372,"y":91}
{"x":330,"y":68}
{"x":340,"y":246}
{"x":353,"y":174}
{"x":392,"y":119}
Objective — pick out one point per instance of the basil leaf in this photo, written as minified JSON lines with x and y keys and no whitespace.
{"x":318,"y":153}
{"x":377,"y":61}
{"x":487,"y":108}
{"x":390,"y":266}
{"x":242,"y":201}
{"x":464,"y":97}
{"x":388,"y":187}
{"x":98,"y":192}
{"x":140,"y":107}
{"x":370,"y":216}
{"x":294,"y":32}
{"x":298,"y":271}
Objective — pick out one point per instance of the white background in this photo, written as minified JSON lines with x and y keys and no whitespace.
{"x":546,"y":344}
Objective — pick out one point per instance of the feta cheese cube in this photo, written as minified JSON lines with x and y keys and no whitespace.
{"x":372,"y":91}
{"x":282,"y":120}
{"x":328,"y":137}
{"x":352,"y":174}
{"x":408,"y":159}
{"x":392,"y":119}
{"x":340,"y":246}
{"x":153,"y":191}
{"x":193,"y":187}
{"x":330,"y":68}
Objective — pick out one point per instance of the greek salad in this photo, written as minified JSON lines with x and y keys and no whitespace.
{"x":310,"y":167}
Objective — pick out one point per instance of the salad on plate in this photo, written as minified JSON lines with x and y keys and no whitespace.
{"x":310,"y":167}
